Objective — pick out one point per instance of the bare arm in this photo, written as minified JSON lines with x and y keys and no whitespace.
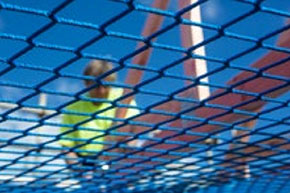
{"x":152,"y":24}
{"x":71,"y":158}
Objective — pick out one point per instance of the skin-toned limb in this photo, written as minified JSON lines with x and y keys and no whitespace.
{"x":283,"y":41}
{"x":71,"y":158}
{"x":257,"y":85}
{"x":71,"y":161}
{"x":152,"y":24}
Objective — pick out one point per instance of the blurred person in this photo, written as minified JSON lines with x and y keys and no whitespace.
{"x":84,"y":127}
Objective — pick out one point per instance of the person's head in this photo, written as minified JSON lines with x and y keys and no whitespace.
{"x":96,"y":68}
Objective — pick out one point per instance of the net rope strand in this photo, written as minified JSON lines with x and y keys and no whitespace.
{"x":156,"y":169}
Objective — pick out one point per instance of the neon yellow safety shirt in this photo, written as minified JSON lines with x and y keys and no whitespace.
{"x":97,"y":124}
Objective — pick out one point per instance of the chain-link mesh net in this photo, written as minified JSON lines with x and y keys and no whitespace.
{"x":234,"y":140}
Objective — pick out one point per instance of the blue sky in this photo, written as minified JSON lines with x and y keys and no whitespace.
{"x":96,"y":12}
{"x":216,"y":12}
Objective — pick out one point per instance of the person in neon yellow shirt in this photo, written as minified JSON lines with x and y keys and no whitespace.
{"x":80,"y":114}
